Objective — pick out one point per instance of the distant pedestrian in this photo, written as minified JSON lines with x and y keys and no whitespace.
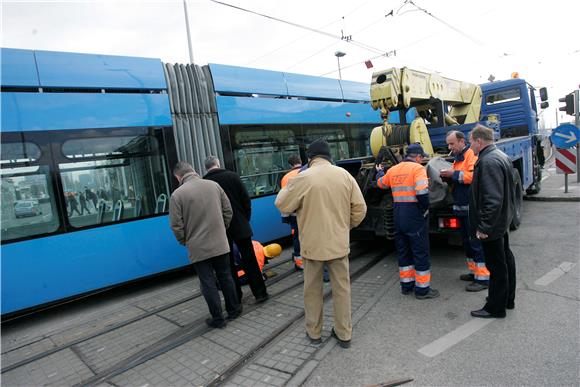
{"x":83,"y":203}
{"x":409,"y":187}
{"x":328,"y":203}
{"x":90,"y":195}
{"x":199,"y":213}
{"x":73,"y":204}
{"x":461,"y":176}
{"x":295,"y":165}
{"x":491,"y":210}
{"x":240,"y":230}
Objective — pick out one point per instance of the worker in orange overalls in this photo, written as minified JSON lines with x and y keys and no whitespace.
{"x":409,"y":186}
{"x":263,"y":253}
{"x":295,"y":163}
{"x":461,"y":176}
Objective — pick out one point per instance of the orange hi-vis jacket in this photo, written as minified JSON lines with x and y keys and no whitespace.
{"x":462,"y":178}
{"x":406,"y":180}
{"x":260,"y":257}
{"x":288,"y":176}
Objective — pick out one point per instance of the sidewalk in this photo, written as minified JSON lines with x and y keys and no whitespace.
{"x":553,"y":188}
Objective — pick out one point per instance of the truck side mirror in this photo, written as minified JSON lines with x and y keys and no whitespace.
{"x":544,"y":104}
{"x":543,"y":95}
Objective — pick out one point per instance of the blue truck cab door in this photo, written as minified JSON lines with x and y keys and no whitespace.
{"x":511,"y":101}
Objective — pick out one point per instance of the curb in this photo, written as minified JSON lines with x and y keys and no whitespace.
{"x":552,"y":199}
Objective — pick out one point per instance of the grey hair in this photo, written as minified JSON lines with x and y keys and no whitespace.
{"x":182,"y":168}
{"x":482,"y":132}
{"x":211,"y":161}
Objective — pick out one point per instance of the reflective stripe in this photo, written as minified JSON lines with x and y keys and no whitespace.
{"x":421,"y":182}
{"x":403,"y":188}
{"x":423,"y":191}
{"x":423,"y":279}
{"x":480,"y":271}
{"x":404,"y":199}
{"x":380,"y":183}
{"x":460,"y":208}
{"x":407,"y":273}
{"x":460,"y":177}
{"x":470,"y":264}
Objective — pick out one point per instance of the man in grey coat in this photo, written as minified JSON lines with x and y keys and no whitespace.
{"x":199,"y":213}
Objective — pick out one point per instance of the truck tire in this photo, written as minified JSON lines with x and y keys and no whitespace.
{"x":537,"y":184}
{"x":519,"y":199}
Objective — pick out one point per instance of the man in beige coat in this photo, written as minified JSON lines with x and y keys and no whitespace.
{"x":328,"y":203}
{"x":199,"y":213}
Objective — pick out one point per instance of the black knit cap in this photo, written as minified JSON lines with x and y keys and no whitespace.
{"x":319,"y":148}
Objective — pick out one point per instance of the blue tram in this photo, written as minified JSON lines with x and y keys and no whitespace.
{"x":88,"y":142}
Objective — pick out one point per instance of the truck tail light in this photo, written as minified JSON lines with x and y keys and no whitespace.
{"x":453,"y":223}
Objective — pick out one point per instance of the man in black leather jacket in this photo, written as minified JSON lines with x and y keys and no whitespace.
{"x":491,"y":209}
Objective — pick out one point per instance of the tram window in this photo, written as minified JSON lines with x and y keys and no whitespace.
{"x":261,"y":155}
{"x":112,"y":179}
{"x":336,"y":138}
{"x":359,"y":141}
{"x":28,"y":207}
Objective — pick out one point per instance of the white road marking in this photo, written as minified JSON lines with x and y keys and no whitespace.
{"x":449,"y":340}
{"x":554,"y":274}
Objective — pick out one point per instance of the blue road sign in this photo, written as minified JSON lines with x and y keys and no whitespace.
{"x":565,"y":136}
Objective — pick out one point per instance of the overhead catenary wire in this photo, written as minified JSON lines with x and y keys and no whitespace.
{"x":307,"y":34}
{"x":350,"y":41}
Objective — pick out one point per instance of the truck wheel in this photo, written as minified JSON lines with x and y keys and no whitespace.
{"x":519,"y":199}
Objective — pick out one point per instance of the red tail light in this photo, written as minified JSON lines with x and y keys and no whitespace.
{"x":449,"y":223}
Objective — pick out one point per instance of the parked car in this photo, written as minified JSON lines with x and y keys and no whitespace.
{"x":25,"y":208}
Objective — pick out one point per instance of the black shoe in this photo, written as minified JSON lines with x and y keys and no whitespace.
{"x":482,"y":313}
{"x":432,"y":293}
{"x":214,"y":324}
{"x":476,"y":286}
{"x":467,"y":277}
{"x":314,"y":341}
{"x":342,"y":343}
{"x":406,"y":291}
{"x":510,"y":305}
{"x":263,"y":298}
{"x":233,"y":316}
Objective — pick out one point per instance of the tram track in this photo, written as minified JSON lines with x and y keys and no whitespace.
{"x":182,"y":333}
{"x":196,"y":294}
{"x":198,"y":328}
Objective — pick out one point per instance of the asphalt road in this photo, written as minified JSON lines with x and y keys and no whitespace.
{"x":436,"y":342}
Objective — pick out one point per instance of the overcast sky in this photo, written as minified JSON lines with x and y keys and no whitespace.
{"x":465,"y":40}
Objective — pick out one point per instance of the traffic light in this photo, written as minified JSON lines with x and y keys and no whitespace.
{"x":569,"y":101}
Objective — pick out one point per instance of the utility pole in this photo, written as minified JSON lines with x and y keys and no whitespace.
{"x":188,"y":33}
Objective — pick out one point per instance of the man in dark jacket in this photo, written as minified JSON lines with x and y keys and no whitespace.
{"x":491,"y":209}
{"x":240,"y":230}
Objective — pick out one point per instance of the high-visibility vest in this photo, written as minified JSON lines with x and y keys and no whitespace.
{"x":260,"y":257}
{"x":288,"y":176}
{"x":462,"y":177}
{"x":406,"y":180}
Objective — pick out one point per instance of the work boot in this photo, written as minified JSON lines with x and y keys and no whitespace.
{"x":467,"y":277}
{"x":476,"y":286}
{"x":432,"y":293}
{"x":262,"y":298}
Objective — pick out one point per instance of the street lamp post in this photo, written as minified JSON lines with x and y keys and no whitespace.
{"x":338,"y":55}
